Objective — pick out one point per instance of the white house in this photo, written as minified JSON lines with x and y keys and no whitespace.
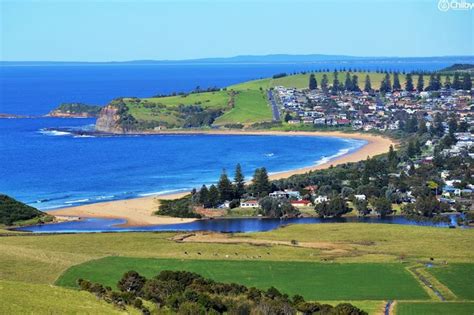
{"x":320,"y":199}
{"x":360,"y":197}
{"x":249,"y":204}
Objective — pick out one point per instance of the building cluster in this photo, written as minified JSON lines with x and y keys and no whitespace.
{"x":370,"y":111}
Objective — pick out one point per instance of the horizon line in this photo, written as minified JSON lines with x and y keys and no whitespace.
{"x":230,"y":58}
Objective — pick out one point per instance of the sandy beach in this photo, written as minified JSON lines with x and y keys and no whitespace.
{"x":139,"y":211}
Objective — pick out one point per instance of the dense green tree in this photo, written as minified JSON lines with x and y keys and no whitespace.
{"x":204,"y":196}
{"x":277,"y":208}
{"x":335,"y":207}
{"x":396,"y":82}
{"x":422,"y":129}
{"x":409,"y":83}
{"x":214,"y":196}
{"x":355,"y":83}
{"x":131,"y":282}
{"x":226,"y":191}
{"x":385,"y":85}
{"x":447,"y":82}
{"x":367,"y":85}
{"x":348,"y":82}
{"x":313,"y":84}
{"x":456,"y":81}
{"x":467,"y":82}
{"x":335,"y":82}
{"x":392,"y":158}
{"x":382,"y":206}
{"x":325,"y":83}
{"x":362,"y":207}
{"x":420,"y":83}
{"x":260,"y":183}
{"x":239,"y":182}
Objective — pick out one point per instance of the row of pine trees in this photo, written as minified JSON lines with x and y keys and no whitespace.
{"x":351,"y":83}
{"x":227,"y":190}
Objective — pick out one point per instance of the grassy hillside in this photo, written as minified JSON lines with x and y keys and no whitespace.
{"x":13,"y":211}
{"x":249,"y":106}
{"x":25,"y":298}
{"x":301,"y":81}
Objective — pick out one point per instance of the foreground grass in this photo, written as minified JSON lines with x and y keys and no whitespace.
{"x":459,"y":278}
{"x":312,"y":280}
{"x":42,"y":258}
{"x":24,"y":298}
{"x":432,"y":308}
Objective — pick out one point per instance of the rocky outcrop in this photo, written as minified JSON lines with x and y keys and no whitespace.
{"x":109,"y":120}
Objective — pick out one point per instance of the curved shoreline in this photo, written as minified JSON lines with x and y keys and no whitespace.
{"x":139,"y":211}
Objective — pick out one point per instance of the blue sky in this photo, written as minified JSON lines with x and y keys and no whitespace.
{"x":130,"y":30}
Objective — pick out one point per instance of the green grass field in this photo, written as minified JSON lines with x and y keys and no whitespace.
{"x":439,"y":308}
{"x":315,"y":281}
{"x":26,"y":298}
{"x":301,"y":80}
{"x":42,"y":259}
{"x":459,"y":278}
{"x":250,"y":106}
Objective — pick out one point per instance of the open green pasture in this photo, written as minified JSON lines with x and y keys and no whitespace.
{"x":315,"y":281}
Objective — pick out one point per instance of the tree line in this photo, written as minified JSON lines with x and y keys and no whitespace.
{"x":351,"y":83}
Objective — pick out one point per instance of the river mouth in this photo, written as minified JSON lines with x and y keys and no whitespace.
{"x":227,"y":225}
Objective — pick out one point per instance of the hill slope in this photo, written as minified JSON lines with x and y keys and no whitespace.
{"x":12,"y":211}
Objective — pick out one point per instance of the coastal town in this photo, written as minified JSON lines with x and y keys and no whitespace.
{"x":437,"y":121}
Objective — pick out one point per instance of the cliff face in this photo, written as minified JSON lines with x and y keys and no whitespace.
{"x":109,"y":120}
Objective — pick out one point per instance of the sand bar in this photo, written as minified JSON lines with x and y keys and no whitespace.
{"x":139,"y":211}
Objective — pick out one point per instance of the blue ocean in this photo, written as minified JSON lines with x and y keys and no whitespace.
{"x":52,"y":169}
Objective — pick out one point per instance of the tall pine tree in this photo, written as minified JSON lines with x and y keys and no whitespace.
{"x":313,"y":84}
{"x":239,"y":182}
{"x":367,"y":85}
{"x":396,"y":82}
{"x":409,"y":83}
{"x":348,"y":82}
{"x":355,"y":83}
{"x":421,"y":83}
{"x":325,"y":83}
{"x":456,"y":81}
{"x":467,"y":82}
{"x":226,"y":191}
{"x":260,"y":184}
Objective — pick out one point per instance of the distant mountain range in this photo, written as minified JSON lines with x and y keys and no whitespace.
{"x":260,"y":59}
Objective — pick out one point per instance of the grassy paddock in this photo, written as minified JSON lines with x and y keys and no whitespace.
{"x":434,"y":308}
{"x":459,"y":278}
{"x":41,"y":259}
{"x":314,"y":281}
